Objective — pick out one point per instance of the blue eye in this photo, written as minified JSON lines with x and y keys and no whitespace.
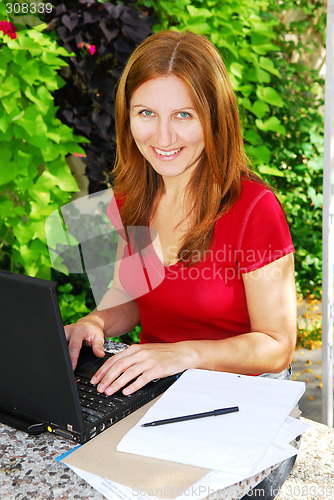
{"x":146,"y":112}
{"x":183,"y":114}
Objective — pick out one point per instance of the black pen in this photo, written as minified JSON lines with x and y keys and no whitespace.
{"x":220,"y":411}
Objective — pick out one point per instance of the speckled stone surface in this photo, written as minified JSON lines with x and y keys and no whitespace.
{"x":28,"y":469}
{"x":312,"y":477}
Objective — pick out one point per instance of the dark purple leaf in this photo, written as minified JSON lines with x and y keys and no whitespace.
{"x":114,"y":10}
{"x":132,"y":34}
{"x":69,"y":22}
{"x":60,"y":9}
{"x":109,"y":32}
{"x":88,"y":3}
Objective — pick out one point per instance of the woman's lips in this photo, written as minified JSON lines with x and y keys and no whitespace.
{"x":167,"y":154}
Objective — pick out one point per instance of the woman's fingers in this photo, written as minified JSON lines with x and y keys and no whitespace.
{"x":87,"y":332}
{"x":137,"y":366}
{"x":122,"y":367}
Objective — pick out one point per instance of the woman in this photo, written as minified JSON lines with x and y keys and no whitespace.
{"x":228,"y":300}
{"x":228,"y":255}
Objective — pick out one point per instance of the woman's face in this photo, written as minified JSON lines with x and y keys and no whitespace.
{"x":166,"y":127}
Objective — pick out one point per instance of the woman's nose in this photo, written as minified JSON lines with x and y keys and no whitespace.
{"x":166,"y":135}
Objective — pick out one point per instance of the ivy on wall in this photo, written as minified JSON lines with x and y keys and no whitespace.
{"x":34,"y":176}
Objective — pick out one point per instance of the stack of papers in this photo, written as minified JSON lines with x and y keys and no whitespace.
{"x":231,"y":443}
{"x":221,"y":450}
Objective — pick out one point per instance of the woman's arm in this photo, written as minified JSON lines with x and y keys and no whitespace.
{"x":93,"y":328}
{"x":116,"y":314}
{"x":271,"y":301}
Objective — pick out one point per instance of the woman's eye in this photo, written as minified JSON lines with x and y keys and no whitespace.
{"x":183,"y":114}
{"x":146,"y":112}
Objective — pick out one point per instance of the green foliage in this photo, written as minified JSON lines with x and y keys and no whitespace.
{"x":72,"y":306}
{"x":34,"y":177}
{"x":300,"y":154}
{"x":279,"y":100}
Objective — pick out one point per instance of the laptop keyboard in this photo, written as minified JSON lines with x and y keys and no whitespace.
{"x":96,"y":405}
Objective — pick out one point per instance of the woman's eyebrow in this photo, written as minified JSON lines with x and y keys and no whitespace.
{"x":174,"y":110}
{"x":185,"y":108}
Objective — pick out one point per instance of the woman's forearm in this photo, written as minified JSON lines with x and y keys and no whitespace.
{"x":116,"y":320}
{"x":248,"y":353}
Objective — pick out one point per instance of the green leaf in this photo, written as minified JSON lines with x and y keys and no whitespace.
{"x":38,"y":228}
{"x":246,"y":103}
{"x":10,"y":105}
{"x":260,"y":109}
{"x":11,"y":85}
{"x":237,"y":69}
{"x":264,"y":169}
{"x":48,"y":77}
{"x":252,"y":136}
{"x":41,"y":97}
{"x":262,"y":76}
{"x":246,"y":89}
{"x":6,"y":208}
{"x":32,"y":122}
{"x":32,"y":255}
{"x":316,"y":198}
{"x":52,"y":60}
{"x":8,"y":168}
{"x":4,"y":120}
{"x":63,"y":177}
{"x":316,"y":163}
{"x":272,"y":124}
{"x":198,"y":12}
{"x":268,"y":65}
{"x":56,"y":235}
{"x":31,"y":73}
{"x":269,"y":95}
{"x":23,"y":159}
{"x":40,"y":193}
{"x":37,"y":211}
{"x":262,"y":154}
{"x":23,"y":232}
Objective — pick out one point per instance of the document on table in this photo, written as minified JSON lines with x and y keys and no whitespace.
{"x":213,"y":481}
{"x":232,"y":443}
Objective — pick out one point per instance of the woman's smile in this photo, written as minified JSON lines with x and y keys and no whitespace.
{"x":167,"y":155}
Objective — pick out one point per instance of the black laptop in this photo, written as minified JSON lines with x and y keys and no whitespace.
{"x":38,"y":390}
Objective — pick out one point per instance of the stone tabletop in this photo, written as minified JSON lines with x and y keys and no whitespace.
{"x":28,"y":469}
{"x":312,"y":477}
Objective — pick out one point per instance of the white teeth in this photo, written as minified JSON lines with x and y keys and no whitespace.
{"x":167,"y":153}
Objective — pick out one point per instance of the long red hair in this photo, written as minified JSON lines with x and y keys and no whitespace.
{"x":216,"y":183}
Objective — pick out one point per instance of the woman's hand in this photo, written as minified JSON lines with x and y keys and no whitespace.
{"x":88,"y":330}
{"x":142,"y":364}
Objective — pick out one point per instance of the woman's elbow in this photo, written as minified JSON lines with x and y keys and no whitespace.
{"x":286,"y":350}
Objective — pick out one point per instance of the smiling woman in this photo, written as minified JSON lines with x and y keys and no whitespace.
{"x":227,"y":301}
{"x":181,"y":169}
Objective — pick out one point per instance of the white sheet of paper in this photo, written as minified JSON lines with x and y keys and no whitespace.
{"x":231,"y":443}
{"x":280,"y":450}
